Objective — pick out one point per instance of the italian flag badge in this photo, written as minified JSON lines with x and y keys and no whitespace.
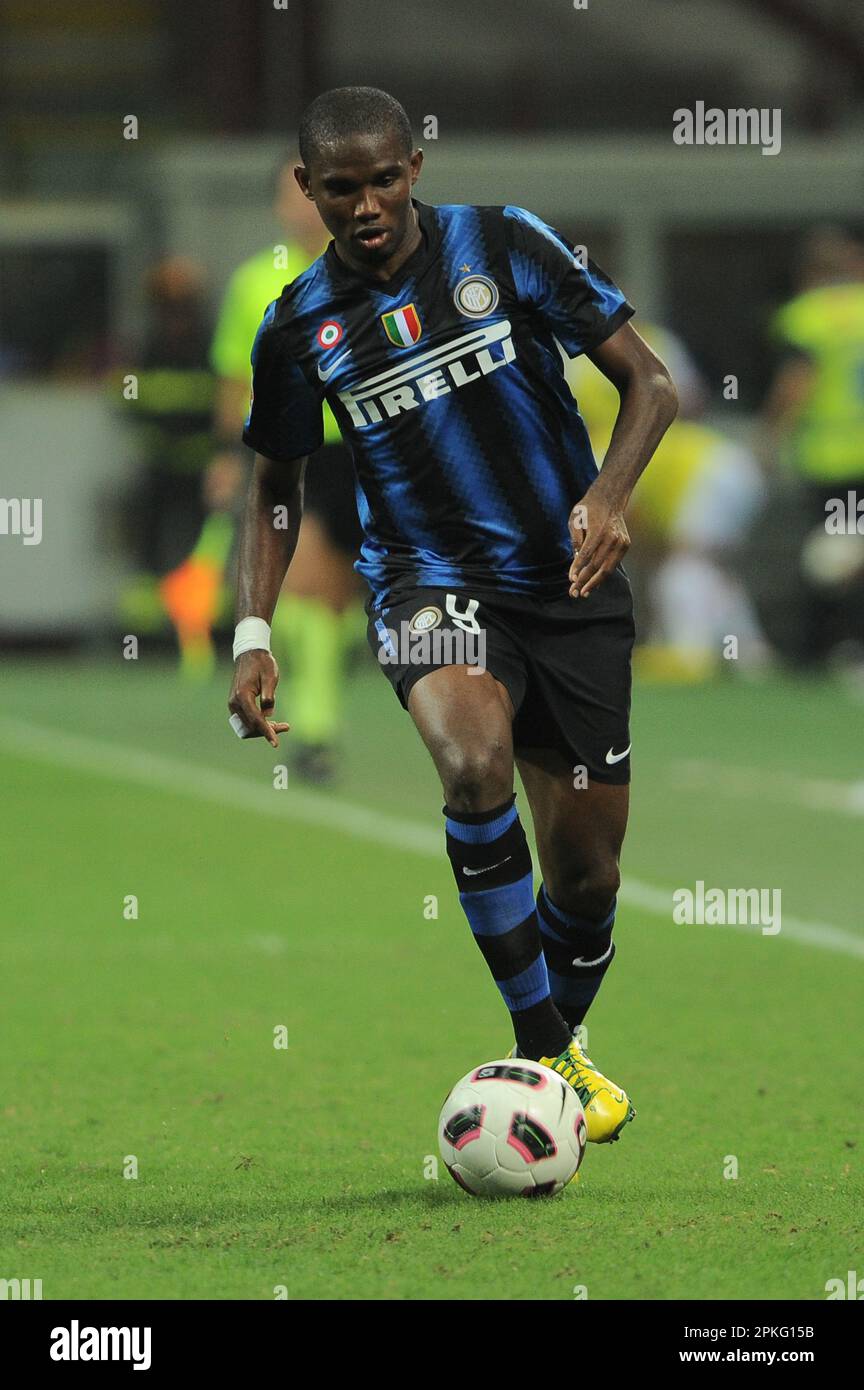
{"x":402,"y":326}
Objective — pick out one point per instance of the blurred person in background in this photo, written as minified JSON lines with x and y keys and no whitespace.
{"x":691,"y":515}
{"x":814,"y":417}
{"x":319,"y":608}
{"x":598,"y":401}
{"x":696,"y":515}
{"x":170,"y":402}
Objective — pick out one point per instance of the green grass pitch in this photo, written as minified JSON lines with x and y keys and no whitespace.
{"x":305,"y":1168}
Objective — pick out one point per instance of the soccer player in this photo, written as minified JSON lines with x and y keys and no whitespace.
{"x":431,"y":333}
{"x":815,"y":416}
{"x":171,"y":417}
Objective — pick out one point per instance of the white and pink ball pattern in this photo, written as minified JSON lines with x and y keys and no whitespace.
{"x":512,"y":1128}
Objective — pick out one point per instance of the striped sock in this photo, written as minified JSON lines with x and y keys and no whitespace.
{"x":492,"y":865}
{"x":566,"y":940}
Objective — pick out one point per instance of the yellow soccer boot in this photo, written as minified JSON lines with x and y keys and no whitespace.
{"x":607,"y":1108}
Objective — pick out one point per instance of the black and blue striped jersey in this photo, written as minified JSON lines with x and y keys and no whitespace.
{"x":447,"y":384}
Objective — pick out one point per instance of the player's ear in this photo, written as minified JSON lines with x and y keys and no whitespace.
{"x":301,"y":175}
{"x":416,"y":166}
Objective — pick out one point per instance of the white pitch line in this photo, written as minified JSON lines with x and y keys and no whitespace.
{"x":220,"y":788}
{"x":811,"y":793}
{"x":658,"y":901}
{"x":154,"y":770}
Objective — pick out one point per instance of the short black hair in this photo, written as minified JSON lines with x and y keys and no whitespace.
{"x":348,"y":111}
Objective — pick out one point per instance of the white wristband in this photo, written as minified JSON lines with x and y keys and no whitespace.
{"x":251,"y":635}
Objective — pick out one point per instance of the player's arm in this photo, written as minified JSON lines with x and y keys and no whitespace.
{"x":587,"y":313}
{"x":266,"y":551}
{"x":283,"y":428}
{"x":649,"y":404}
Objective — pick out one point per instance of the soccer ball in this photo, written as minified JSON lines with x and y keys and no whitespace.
{"x":512,"y":1128}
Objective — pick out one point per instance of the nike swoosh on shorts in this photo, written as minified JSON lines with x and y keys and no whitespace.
{"x":616,"y":758}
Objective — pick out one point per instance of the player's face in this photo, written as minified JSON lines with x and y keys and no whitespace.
{"x":362,"y":189}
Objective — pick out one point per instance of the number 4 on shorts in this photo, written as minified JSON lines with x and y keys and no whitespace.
{"x":465,"y":619}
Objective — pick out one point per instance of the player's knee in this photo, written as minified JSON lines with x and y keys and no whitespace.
{"x":477,"y":777}
{"x":587,"y":892}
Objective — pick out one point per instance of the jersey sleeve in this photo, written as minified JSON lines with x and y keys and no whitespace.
{"x":284,"y":420}
{"x":579,"y":304}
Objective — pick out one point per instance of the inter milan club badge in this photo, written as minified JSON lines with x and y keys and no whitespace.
{"x":329,"y":333}
{"x":425,"y":619}
{"x":402,"y":326}
{"x":476,"y":296}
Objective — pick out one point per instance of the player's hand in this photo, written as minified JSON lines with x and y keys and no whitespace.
{"x":600,"y":539}
{"x":256,"y":676}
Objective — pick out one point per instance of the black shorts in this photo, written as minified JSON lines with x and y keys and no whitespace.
{"x":328,"y":492}
{"x":565,"y":662}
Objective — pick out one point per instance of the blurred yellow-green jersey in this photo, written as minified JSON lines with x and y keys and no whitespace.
{"x":596,"y":397}
{"x":826,"y":442}
{"x":251,"y":288}
{"x":685,"y":452}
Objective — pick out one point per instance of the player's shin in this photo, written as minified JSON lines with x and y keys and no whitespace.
{"x":578,"y":952}
{"x":492,"y":865}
